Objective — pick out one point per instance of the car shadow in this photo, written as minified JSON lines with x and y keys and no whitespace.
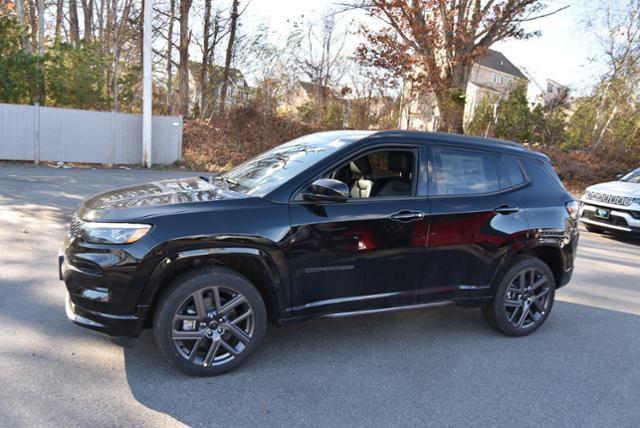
{"x":424,"y":367}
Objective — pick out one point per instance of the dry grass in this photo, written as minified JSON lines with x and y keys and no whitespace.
{"x":245,"y":132}
{"x":240,"y":135}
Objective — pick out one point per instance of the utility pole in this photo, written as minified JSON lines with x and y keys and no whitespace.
{"x":41,"y":92}
{"x":147,"y":94}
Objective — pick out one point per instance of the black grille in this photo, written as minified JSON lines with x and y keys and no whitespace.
{"x":609,"y":199}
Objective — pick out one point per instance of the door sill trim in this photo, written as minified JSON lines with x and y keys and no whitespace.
{"x":391,"y":309}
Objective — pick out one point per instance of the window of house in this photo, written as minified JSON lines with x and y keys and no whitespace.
{"x":495,"y":78}
{"x":464,"y":172}
{"x":383,"y":173}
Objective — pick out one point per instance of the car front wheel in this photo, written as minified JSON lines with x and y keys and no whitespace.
{"x":524,"y":298}
{"x":209,"y":321}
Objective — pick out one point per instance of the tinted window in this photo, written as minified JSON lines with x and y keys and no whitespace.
{"x":383,"y":173}
{"x":464,"y":172}
{"x":265,"y":172}
{"x":514,"y":170}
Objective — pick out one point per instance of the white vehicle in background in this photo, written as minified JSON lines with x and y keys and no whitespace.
{"x":613,"y":206}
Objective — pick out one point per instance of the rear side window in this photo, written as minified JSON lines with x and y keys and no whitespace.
{"x":464,"y":172}
{"x":514,"y":170}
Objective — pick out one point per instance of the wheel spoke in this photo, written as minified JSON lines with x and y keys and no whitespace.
{"x":513,"y":314}
{"x":194,"y":350}
{"x":186,"y":317}
{"x":523,"y":317}
{"x":237,"y":300}
{"x":539,"y":306}
{"x":216,"y":298}
{"x":511,"y":303}
{"x":187,"y":335}
{"x":542,"y":294}
{"x":211,"y":353}
{"x":539,"y":283}
{"x":522,"y":281}
{"x":239,"y":333}
{"x":243,"y":316}
{"x":198,"y":300}
{"x":228,"y":347}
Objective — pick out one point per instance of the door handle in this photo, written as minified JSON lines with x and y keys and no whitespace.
{"x":506,"y":209}
{"x":407,"y":216}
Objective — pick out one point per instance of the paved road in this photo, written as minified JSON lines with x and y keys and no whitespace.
{"x":432,"y":367}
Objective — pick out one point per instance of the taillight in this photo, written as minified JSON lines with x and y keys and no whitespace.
{"x":572,"y":208}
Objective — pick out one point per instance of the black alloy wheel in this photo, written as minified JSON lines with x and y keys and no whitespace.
{"x":524,"y":298}
{"x":210,"y":321}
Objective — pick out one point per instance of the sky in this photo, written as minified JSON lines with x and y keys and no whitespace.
{"x":565,"y":52}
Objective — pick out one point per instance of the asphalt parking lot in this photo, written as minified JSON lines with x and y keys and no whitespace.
{"x":433,"y":367}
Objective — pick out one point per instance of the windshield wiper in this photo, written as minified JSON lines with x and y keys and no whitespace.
{"x":227,"y":180}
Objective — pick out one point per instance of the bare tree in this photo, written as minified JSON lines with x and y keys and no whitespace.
{"x":74,"y":26}
{"x":233,"y":25}
{"x":621,"y":44}
{"x":205,"y":65}
{"x":59,"y":17}
{"x":20,"y":11}
{"x":87,"y":12}
{"x":172,"y":17}
{"x":320,"y":57}
{"x":183,"y":50}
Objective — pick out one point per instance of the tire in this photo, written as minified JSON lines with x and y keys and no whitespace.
{"x":594,"y":229}
{"x":201,"y":337}
{"x":520,"y":306}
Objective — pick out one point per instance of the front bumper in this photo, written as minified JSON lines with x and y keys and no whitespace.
{"x":620,"y":220}
{"x":101,"y":296}
{"x":109,"y":324}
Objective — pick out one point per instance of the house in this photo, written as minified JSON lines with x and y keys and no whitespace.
{"x":492,"y":77}
{"x":238,"y":90}
{"x":306,"y":92}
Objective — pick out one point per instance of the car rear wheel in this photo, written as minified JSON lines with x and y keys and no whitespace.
{"x":523,"y":299}
{"x":209,"y":321}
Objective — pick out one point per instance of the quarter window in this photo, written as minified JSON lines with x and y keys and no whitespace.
{"x":464,"y":172}
{"x":514,"y":170}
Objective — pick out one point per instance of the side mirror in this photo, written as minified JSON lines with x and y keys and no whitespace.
{"x":327,"y":190}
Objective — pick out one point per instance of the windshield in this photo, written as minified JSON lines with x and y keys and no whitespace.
{"x":265,"y":172}
{"x":632,"y":177}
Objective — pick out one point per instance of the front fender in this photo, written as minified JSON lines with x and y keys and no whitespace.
{"x":178,"y":261}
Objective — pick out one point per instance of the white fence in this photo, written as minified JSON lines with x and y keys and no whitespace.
{"x":34,"y":133}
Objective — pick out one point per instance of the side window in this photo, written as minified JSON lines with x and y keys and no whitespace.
{"x":514,"y":170}
{"x":383,"y":173}
{"x":464,"y":172}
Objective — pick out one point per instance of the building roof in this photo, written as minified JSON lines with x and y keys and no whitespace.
{"x":497,"y":61}
{"x":314,"y":90}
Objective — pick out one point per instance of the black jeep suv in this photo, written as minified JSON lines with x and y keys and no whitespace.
{"x":327,"y":225}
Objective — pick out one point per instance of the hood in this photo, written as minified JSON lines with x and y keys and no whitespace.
{"x":150,"y":199}
{"x":618,"y":188}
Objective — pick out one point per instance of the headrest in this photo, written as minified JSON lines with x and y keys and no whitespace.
{"x":399,"y":162}
{"x":361,"y":166}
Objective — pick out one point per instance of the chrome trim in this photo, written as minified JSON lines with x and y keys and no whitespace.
{"x":605,"y":225}
{"x":391,"y":309}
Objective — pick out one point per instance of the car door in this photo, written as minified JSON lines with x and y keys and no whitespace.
{"x":475,"y":218}
{"x":366,"y":253}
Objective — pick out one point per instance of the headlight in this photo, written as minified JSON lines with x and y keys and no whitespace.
{"x":113,"y":233}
